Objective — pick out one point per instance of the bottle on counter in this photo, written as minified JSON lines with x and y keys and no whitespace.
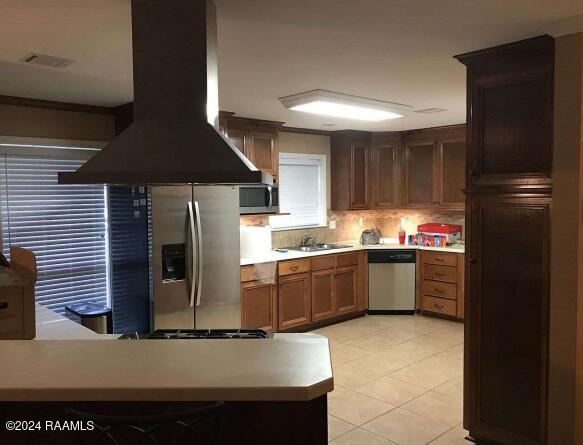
{"x":402,"y":232}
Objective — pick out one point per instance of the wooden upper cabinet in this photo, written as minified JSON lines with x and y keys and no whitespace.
{"x":453,"y":173}
{"x":434,"y":167}
{"x":359,"y":174}
{"x":264,"y":151}
{"x":511,"y":122}
{"x":239,"y":139}
{"x":256,"y":139}
{"x":420,"y":168}
{"x":385,"y":171}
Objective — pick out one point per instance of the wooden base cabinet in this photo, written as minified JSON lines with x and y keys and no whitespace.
{"x":259,"y":297}
{"x":345,"y":289}
{"x":294,"y":301}
{"x":440,"y":283}
{"x":323,"y":295}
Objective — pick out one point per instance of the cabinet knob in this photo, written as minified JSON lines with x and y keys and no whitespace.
{"x":294,"y":268}
{"x":438,"y":290}
{"x":439,"y":274}
{"x":439,"y":260}
{"x":439,"y":306}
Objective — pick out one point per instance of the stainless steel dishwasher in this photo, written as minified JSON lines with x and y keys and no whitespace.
{"x":391,"y":281}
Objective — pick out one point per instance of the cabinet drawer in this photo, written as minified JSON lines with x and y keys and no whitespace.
{"x":440,"y":273}
{"x":11,"y":317}
{"x":258,"y":272}
{"x":293,"y":266}
{"x":439,"y":289}
{"x":324,"y":262}
{"x":346,"y":259}
{"x":440,"y":258}
{"x":439,"y":305}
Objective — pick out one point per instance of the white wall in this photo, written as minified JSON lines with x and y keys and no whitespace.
{"x":310,"y":144}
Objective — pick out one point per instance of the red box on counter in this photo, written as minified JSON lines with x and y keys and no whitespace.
{"x":451,"y":232}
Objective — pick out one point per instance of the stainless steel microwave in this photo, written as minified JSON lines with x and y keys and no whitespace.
{"x":258,"y":199}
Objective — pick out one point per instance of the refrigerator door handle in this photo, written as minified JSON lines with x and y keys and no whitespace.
{"x":198,"y":253}
{"x":191,"y":256}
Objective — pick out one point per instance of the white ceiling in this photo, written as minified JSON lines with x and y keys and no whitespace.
{"x":394,"y":50}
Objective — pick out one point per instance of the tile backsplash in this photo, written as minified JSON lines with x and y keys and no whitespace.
{"x":348,"y":225}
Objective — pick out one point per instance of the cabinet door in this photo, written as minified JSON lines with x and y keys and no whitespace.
{"x":346,"y":289}
{"x":294,"y":301}
{"x":508,"y":300}
{"x":264,"y":153}
{"x":323,"y":304}
{"x":453,"y":173}
{"x":258,"y":306}
{"x":385,"y":177}
{"x":240,"y":140}
{"x":420,"y":174}
{"x":359,"y":174}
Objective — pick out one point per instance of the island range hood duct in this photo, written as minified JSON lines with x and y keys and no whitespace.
{"x":173,"y":138}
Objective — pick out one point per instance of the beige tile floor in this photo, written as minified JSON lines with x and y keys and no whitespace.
{"x":398,"y":381}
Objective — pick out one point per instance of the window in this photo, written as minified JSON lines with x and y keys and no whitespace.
{"x":302,"y":191}
{"x":64,"y":225}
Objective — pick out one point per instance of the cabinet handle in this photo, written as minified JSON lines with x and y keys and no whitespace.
{"x":294,"y":268}
{"x":439,"y":274}
{"x":439,"y":260}
{"x":3,"y":305}
{"x":438,"y":290}
{"x":438,"y":306}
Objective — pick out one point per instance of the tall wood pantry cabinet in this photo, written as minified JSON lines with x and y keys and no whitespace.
{"x":509,"y":165}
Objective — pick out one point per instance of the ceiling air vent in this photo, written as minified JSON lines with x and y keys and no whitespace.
{"x":44,"y":60}
{"x":430,"y":110}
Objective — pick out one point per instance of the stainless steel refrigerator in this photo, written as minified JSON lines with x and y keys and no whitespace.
{"x":195,"y":257}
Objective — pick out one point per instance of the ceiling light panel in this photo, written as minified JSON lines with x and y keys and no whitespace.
{"x":328,"y":103}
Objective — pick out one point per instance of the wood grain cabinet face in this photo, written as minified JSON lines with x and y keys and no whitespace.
{"x":240,"y":140}
{"x":385,"y":174}
{"x":346,"y":289}
{"x":359,"y":167}
{"x":453,"y":173}
{"x":323,"y":301}
{"x":264,"y":152}
{"x":258,"y":306}
{"x":294,"y":301}
{"x":420,"y":174}
{"x":509,"y":316}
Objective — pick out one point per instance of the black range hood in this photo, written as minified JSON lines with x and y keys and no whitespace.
{"x":173,"y":138}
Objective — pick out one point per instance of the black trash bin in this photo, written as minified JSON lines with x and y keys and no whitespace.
{"x":96,"y":317}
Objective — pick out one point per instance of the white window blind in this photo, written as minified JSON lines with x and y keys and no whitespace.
{"x":302,"y":191}
{"x":64,"y":225}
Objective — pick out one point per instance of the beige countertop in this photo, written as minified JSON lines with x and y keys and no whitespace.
{"x":286,"y":367}
{"x":273,"y":255}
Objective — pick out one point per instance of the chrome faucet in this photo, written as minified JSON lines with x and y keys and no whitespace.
{"x":308,"y":240}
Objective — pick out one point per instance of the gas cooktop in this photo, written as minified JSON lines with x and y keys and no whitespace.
{"x":203,"y":334}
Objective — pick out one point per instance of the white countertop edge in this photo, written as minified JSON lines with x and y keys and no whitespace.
{"x":273,"y":255}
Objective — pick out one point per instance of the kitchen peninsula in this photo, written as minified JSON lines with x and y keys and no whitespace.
{"x":282,"y":380}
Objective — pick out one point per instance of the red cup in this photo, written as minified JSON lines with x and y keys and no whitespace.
{"x":402,"y":236}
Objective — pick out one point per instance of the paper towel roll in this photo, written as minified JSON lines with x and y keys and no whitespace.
{"x":255,"y":241}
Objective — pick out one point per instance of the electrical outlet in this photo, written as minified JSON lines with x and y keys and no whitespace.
{"x":332,"y":224}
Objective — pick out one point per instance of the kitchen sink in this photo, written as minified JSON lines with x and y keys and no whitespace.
{"x":317,"y":247}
